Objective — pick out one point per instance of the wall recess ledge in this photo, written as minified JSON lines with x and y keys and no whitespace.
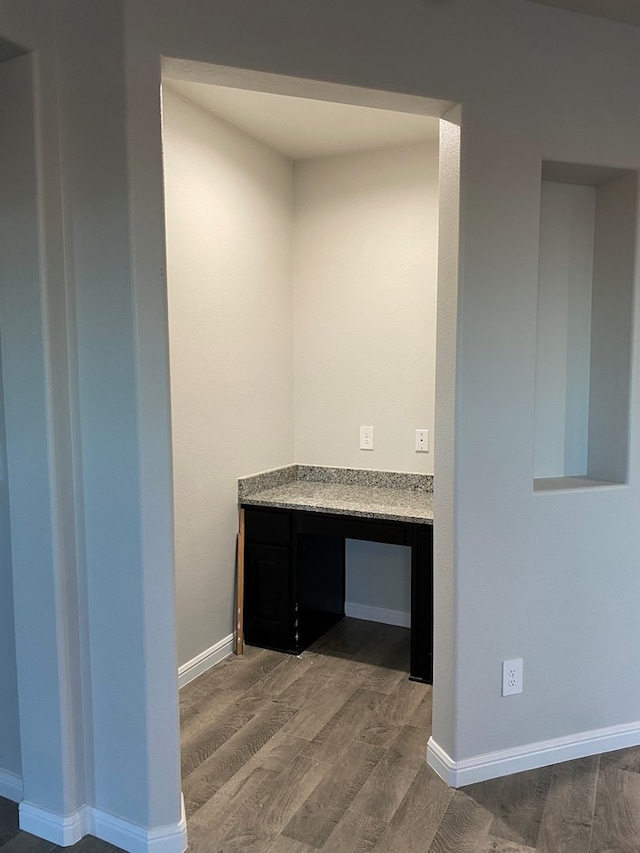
{"x":566,"y":484}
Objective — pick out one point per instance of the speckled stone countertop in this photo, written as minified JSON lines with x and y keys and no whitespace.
{"x":344,"y":491}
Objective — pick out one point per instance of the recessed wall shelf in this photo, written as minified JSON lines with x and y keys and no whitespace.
{"x":583,"y":346}
{"x":565,"y":484}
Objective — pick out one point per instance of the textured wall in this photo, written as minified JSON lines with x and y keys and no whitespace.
{"x":9,"y":723}
{"x":563,"y":347}
{"x":229,"y":205}
{"x":365,"y":264}
{"x":365,"y":269}
{"x":362,"y":229}
{"x":535,"y":83}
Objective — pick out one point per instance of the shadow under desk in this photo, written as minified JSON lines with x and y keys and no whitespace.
{"x":294,"y":523}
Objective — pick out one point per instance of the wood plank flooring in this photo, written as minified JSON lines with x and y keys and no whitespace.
{"x":325,"y":752}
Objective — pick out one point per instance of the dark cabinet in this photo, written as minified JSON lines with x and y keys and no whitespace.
{"x":293,"y":583}
{"x":294,"y":575}
{"x":422,"y":602}
{"x":269,"y":594}
{"x":270,"y":589}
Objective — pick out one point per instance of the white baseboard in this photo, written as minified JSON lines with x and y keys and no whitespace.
{"x":10,"y":786}
{"x":378,"y":614}
{"x":205,"y":660}
{"x":68,"y":830}
{"x":63,"y":830}
{"x":136,"y":839}
{"x":503,"y":762}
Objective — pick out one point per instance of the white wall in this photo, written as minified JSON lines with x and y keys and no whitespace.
{"x":562,"y":555}
{"x":107,"y":216}
{"x":35,"y":420}
{"x":378,"y":576}
{"x":614,"y":266}
{"x":569,"y":559}
{"x":565,"y":558}
{"x":360,"y":302}
{"x":84,"y":639}
{"x":365,"y":269}
{"x":567,"y":221}
{"x":9,"y":720}
{"x":229,"y":207}
{"x":506,"y":542}
{"x":365,"y":266}
{"x":517,"y":110}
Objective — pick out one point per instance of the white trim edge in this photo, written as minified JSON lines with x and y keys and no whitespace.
{"x":63,"y":830}
{"x":136,"y":839}
{"x":205,"y":660}
{"x":378,"y":614}
{"x":68,"y":830}
{"x":503,"y":762}
{"x":10,"y":786}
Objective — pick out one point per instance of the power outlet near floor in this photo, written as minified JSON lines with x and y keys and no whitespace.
{"x":512,"y":677}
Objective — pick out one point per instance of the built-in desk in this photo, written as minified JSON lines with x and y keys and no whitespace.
{"x":295,"y":524}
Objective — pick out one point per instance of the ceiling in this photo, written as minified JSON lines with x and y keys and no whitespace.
{"x":627,"y":11}
{"x":303,"y":128}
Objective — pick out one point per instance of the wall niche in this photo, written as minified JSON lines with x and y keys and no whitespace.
{"x":583,"y":345}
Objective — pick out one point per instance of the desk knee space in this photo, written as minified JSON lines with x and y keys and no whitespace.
{"x":294,"y":577}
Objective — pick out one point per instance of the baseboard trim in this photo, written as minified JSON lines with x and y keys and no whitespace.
{"x":68,"y":830}
{"x":441,"y":762}
{"x":63,"y":830}
{"x":10,"y":786}
{"x":504,"y":762}
{"x":136,"y":839}
{"x":205,"y":660}
{"x":378,"y":614}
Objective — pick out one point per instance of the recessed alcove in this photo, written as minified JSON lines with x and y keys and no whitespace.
{"x":583,"y":338}
{"x":302,"y":267}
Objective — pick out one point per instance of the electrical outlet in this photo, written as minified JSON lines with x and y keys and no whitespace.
{"x":422,"y":441}
{"x":511,"y":677}
{"x":366,"y":438}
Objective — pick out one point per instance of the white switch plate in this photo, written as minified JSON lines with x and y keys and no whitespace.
{"x":366,"y":438}
{"x":422,"y":441}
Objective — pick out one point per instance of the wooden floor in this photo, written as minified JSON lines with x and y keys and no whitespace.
{"x":325,"y":751}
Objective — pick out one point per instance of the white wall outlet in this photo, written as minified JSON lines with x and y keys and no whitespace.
{"x":366,"y":438}
{"x":422,"y":441}
{"x":511,"y":677}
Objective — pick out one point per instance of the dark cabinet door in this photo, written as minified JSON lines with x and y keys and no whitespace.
{"x":269,"y":618}
{"x":422,"y":603}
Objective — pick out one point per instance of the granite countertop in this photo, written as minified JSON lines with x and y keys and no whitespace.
{"x":343,"y":491}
